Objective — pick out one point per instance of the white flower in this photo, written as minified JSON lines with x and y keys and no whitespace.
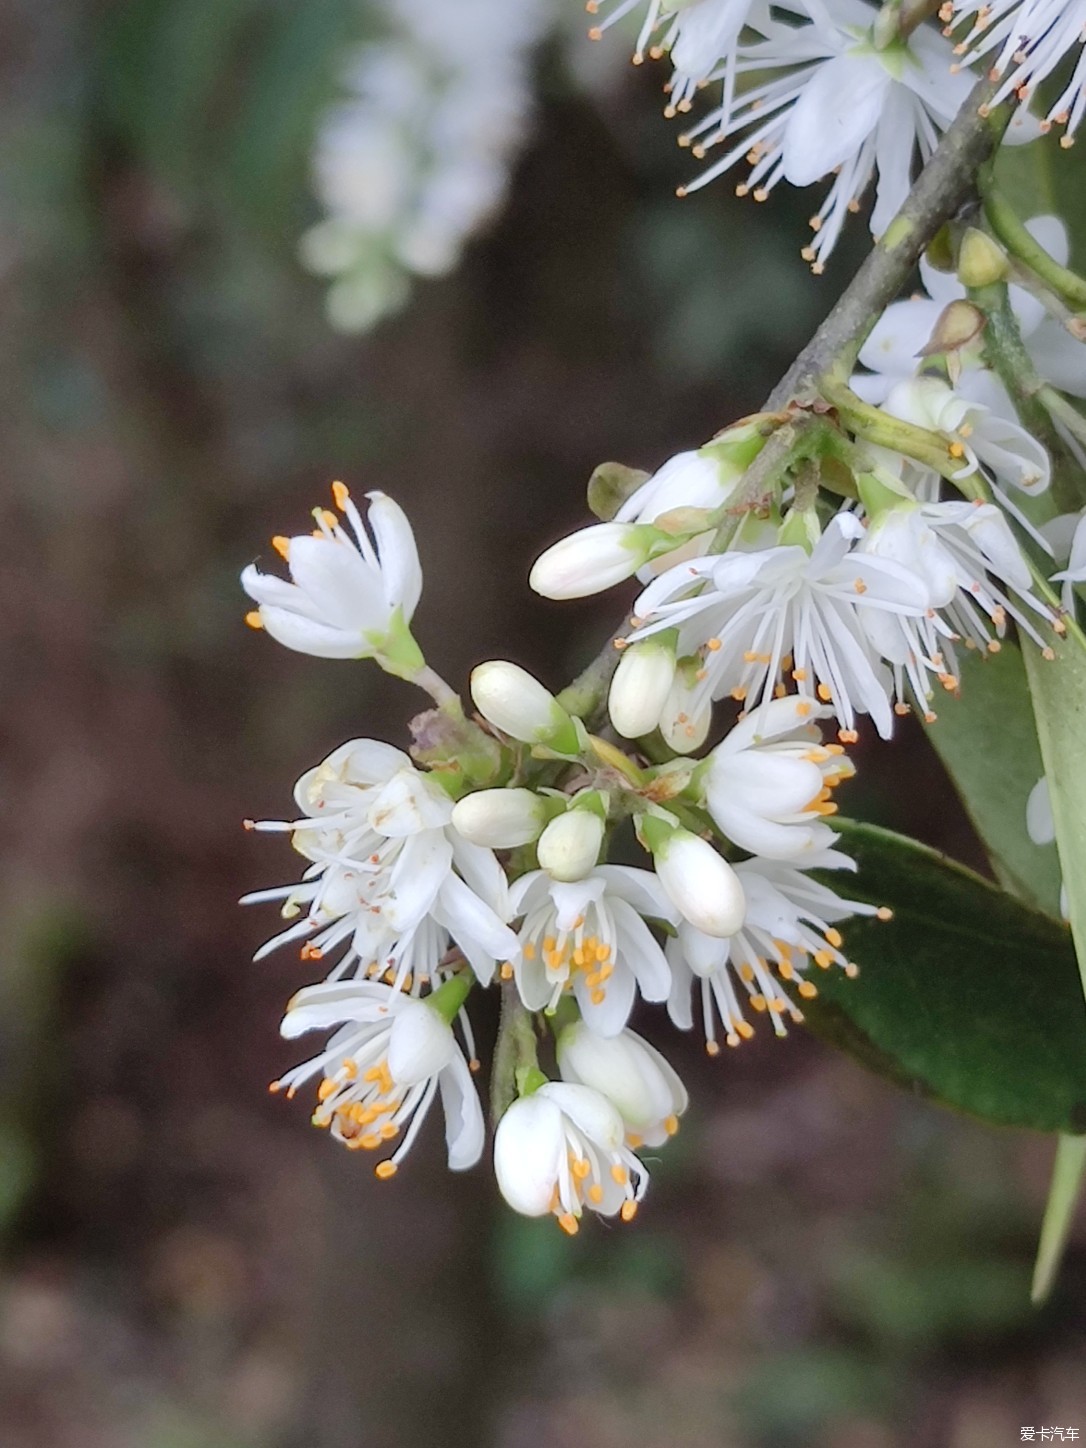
{"x":892,"y":349}
{"x":768,"y":783}
{"x":976,"y":578}
{"x":1031,"y":38}
{"x":752,"y":616}
{"x":415,"y":157}
{"x":500,"y":819}
{"x":350,"y":596}
{"x":789,"y":924}
{"x":562,"y":1149}
{"x":517,"y":703}
{"x":641,"y":686}
{"x":588,"y":937}
{"x":986,"y":440}
{"x":841,"y":105}
{"x":633,"y":1076}
{"x":1075,"y":572}
{"x":390,"y":876}
{"x":383,"y":1067}
{"x":699,"y":882}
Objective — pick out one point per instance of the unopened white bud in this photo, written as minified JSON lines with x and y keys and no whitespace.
{"x":641,"y":685}
{"x":570,"y":845}
{"x":702,"y":885}
{"x":592,"y":559}
{"x":500,"y":819}
{"x":518,"y":704}
{"x":632,"y":1075}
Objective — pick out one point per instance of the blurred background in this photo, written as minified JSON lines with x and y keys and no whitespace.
{"x":247,"y":246}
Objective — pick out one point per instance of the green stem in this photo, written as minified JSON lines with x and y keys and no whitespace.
{"x":1010,"y":230}
{"x":878,"y":427}
{"x":514,"y":1051}
{"x":940,"y":189}
{"x":1006,"y":353}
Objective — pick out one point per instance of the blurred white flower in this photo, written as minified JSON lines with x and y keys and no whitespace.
{"x":416,"y":157}
{"x":1030,"y":39}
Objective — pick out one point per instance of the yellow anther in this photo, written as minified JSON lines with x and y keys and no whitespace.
{"x":745,"y":1029}
{"x":884,"y":913}
{"x":529,"y":951}
{"x":620,"y":1174}
{"x":340,"y":494}
{"x":956,"y":450}
{"x":628,"y":1211}
{"x":825,"y":693}
{"x":580,"y":1168}
{"x":758,"y":1002}
{"x":507,"y":970}
{"x":385,"y":1169}
{"x":325,"y":1089}
{"x":834,"y":938}
{"x":595,"y":1194}
{"x":712,"y":1048}
{"x":568,"y":1222}
{"x":598,"y":996}
{"x":823,"y":958}
{"x":807,"y":990}
{"x":671,"y":1125}
{"x":253,"y":619}
{"x":281,"y":545}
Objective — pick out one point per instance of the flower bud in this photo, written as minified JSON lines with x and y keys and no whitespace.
{"x":981,"y":260}
{"x":420,"y":1044}
{"x":630,"y":1073}
{"x":702,"y":885}
{"x":592,"y":559}
{"x":518,"y":704}
{"x":570,"y":845}
{"x":500,"y":819}
{"x":641,"y":685}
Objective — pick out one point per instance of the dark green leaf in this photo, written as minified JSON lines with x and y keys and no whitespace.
{"x":965,"y":996}
{"x":988,"y":741}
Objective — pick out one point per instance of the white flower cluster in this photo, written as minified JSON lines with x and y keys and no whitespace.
{"x":811,"y":89}
{"x":419,"y":886}
{"x":416,"y":157}
{"x":860,"y":613}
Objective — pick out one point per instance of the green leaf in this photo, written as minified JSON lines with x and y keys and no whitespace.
{"x":965,"y":996}
{"x":988,"y":742}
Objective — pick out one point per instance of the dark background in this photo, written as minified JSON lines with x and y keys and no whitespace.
{"x":822,"y":1260}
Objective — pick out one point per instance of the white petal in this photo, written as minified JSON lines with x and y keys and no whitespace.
{"x":529,"y":1146}
{"x":401,"y":573}
{"x":420,"y":1044}
{"x":838,"y":109}
{"x":465,"y":1130}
